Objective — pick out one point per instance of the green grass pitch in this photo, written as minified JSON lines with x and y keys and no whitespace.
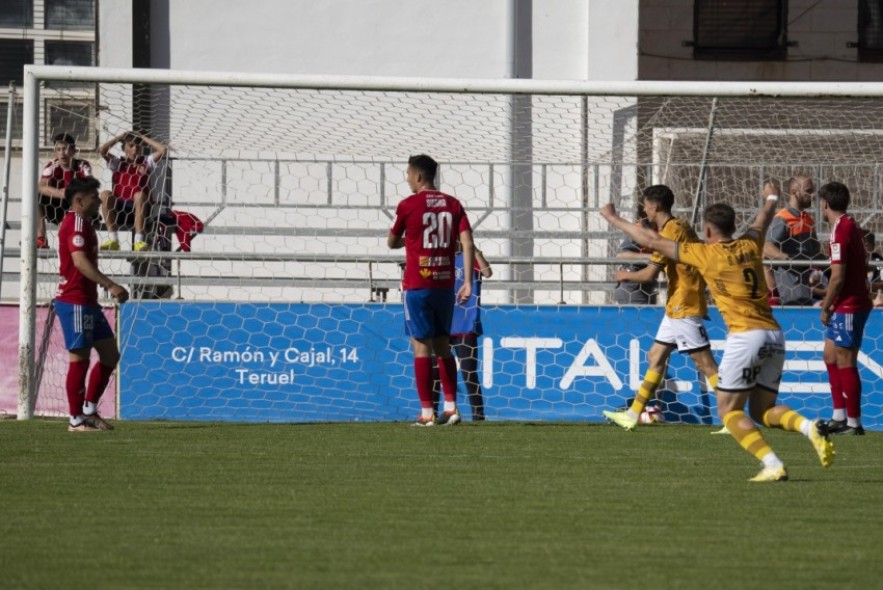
{"x":492,"y":505}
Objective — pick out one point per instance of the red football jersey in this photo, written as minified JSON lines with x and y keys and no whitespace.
{"x":76,"y":234}
{"x":130,"y":177}
{"x":848,"y":248}
{"x":431,"y":222}
{"x":60,"y":178}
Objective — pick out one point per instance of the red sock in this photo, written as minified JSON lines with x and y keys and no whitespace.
{"x":76,"y":386}
{"x":423,"y":375}
{"x":98,"y":380}
{"x":447,"y":372}
{"x":852,"y":391}
{"x":836,"y":386}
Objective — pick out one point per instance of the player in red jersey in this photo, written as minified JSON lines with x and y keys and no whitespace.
{"x":76,"y":304}
{"x":845,"y":310}
{"x":55,"y":177}
{"x":425,"y":226}
{"x":126,"y":205}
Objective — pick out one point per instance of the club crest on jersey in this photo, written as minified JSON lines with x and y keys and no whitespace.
{"x":425,"y":273}
{"x":78,"y":241}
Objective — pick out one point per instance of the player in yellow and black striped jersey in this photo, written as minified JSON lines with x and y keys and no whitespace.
{"x":683,"y":326}
{"x":751,"y":368}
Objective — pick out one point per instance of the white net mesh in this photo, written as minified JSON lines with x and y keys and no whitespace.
{"x":298,"y":187}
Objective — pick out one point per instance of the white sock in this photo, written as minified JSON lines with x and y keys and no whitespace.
{"x":115,"y":236}
{"x":772,"y":461}
{"x":853,"y":422}
{"x":839,"y":414}
{"x":77,"y":420}
{"x":426,"y":412}
{"x":807,"y":427}
{"x":450,"y":406}
{"x":89,"y":408}
{"x":139,"y":237}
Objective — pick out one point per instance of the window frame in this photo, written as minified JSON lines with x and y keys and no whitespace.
{"x":774,"y":52}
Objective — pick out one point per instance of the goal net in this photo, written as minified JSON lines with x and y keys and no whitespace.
{"x":287,"y":307}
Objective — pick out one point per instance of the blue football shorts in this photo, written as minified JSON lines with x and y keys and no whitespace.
{"x":847,"y":329}
{"x":82,"y":325}
{"x":428,"y":312}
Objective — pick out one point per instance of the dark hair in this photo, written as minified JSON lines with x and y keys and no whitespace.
{"x":80,"y":185}
{"x":64,"y":138}
{"x":661,"y":195}
{"x":869,"y":236}
{"x":721,"y":216}
{"x":836,"y":194}
{"x":426,"y":166}
{"x":133,"y":138}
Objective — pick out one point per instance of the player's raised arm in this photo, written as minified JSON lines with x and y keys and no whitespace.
{"x":642,"y":235}
{"x":768,"y":211}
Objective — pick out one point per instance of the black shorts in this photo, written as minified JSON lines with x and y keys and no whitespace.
{"x":53,"y":209}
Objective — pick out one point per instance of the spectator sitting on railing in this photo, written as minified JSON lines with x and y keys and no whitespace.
{"x":130,"y":195}
{"x":56,"y":175}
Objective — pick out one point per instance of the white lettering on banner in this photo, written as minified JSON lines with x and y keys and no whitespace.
{"x":261,"y":378}
{"x":601,"y":368}
{"x":530,"y":346}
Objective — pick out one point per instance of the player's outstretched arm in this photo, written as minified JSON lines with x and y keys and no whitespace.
{"x":768,"y":211}
{"x":645,"y":275}
{"x":642,"y":235}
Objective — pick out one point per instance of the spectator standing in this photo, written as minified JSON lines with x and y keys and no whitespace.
{"x":792,"y":236}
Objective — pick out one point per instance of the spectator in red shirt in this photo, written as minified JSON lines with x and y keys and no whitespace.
{"x":126,"y":205}
{"x":56,"y":175}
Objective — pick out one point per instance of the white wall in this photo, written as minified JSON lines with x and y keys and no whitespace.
{"x":572,"y":39}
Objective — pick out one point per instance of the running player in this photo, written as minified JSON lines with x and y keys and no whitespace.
{"x":683,"y":326}
{"x":751,"y":367}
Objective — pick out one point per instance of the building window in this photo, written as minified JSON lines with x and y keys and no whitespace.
{"x":740,"y":29}
{"x":870,"y":30}
{"x":69,"y":53}
{"x":16,"y":54}
{"x":17,"y":14}
{"x":76,"y":15}
{"x":74,"y":117}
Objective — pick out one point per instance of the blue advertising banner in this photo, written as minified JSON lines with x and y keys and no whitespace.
{"x":343,"y":362}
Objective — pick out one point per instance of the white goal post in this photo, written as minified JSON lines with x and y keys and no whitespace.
{"x":638,"y":133}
